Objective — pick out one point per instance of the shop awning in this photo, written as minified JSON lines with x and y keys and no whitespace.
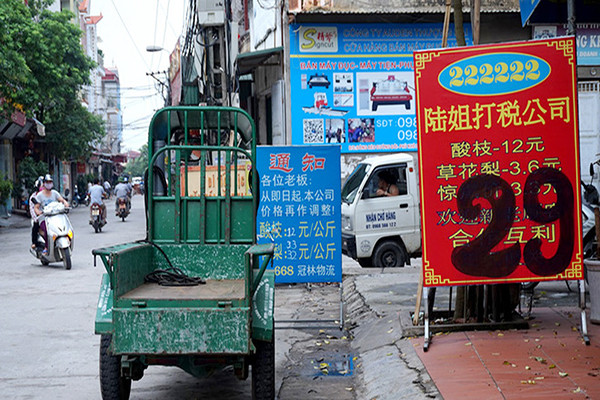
{"x":17,"y":130}
{"x":248,"y":62}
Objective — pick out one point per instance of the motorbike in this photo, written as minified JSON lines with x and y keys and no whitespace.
{"x":79,"y":199}
{"x":59,"y":233}
{"x":96,"y":218}
{"x":123,"y":209}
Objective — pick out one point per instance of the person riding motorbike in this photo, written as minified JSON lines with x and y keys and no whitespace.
{"x":35,"y":224}
{"x":97,"y":194}
{"x":45,"y":197}
{"x":122,"y":191}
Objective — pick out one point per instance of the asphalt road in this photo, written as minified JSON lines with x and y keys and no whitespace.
{"x":49,"y":350}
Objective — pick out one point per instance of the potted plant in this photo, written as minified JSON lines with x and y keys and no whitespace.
{"x":6,"y":187}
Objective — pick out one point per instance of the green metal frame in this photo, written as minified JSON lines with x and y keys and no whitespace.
{"x":213,"y":237}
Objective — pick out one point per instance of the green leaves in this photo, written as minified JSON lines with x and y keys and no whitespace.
{"x":43,"y":69}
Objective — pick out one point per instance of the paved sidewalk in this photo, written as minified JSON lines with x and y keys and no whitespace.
{"x":18,"y":219}
{"x":547,"y":361}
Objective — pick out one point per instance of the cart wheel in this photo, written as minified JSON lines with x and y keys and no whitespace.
{"x":263,"y":371}
{"x":66,"y":256}
{"x":112,"y":385}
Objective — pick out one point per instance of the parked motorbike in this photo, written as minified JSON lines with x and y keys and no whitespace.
{"x":79,"y":199}
{"x":59,"y":234}
{"x":96,"y":218}
{"x":123,"y":209}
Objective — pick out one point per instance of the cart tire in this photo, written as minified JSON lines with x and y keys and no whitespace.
{"x":389,"y":255}
{"x":407,"y":105}
{"x":263,"y":371}
{"x":374,"y":107}
{"x":112,"y":385}
{"x":66,"y":256}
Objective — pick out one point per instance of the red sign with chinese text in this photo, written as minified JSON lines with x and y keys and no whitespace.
{"x":499,"y":163}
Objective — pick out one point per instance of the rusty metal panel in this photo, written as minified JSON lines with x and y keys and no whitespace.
{"x":205,"y":261}
{"x":130,"y":267}
{"x":263,"y":304}
{"x":103,"y":323}
{"x":182,"y":331}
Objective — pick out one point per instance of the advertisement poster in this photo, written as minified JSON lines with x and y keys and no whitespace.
{"x":499,"y":163}
{"x":300,"y":211}
{"x":353,"y":84}
{"x":588,"y":40}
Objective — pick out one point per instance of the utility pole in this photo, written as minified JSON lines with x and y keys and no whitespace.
{"x":163,"y":86}
{"x":216,"y":37}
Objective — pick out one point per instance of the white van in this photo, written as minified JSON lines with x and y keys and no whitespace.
{"x":382,"y":229}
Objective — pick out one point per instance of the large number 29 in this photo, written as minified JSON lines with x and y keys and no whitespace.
{"x":477,"y":259}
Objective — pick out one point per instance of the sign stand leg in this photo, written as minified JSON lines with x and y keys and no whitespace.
{"x":427,"y":334}
{"x":341,"y":306}
{"x":584,"y":330}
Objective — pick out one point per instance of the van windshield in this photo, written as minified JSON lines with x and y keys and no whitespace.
{"x":353,"y":182}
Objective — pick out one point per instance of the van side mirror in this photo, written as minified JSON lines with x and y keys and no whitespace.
{"x":365,"y":194}
{"x":592,"y":170}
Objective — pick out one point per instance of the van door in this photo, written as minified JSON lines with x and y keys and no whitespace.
{"x":390,"y":212}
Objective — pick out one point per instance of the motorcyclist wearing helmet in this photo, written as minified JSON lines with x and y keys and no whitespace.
{"x":122,"y":191}
{"x":45,"y":197}
{"x":97,"y":193}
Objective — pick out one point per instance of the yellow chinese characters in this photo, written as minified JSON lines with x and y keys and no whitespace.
{"x":507,"y":114}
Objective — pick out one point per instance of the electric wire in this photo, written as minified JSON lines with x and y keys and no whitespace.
{"x":128,"y":33}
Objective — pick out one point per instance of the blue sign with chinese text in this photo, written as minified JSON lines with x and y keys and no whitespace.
{"x":353,"y":84}
{"x":300,"y":211}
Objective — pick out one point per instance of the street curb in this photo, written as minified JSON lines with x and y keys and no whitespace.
{"x":388,"y":366}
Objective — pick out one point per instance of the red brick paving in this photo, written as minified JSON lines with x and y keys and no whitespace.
{"x":547,"y":361}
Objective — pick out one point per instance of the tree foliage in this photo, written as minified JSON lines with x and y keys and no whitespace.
{"x":28,"y":171}
{"x":136,"y":167}
{"x":42,"y":71}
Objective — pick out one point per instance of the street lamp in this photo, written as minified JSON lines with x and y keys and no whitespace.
{"x":153,"y":49}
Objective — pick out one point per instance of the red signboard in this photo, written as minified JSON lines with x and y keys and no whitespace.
{"x":499,"y":163}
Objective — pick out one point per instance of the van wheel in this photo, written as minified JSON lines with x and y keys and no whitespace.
{"x":365,"y":262}
{"x":389,"y":255}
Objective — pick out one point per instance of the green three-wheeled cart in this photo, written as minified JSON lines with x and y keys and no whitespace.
{"x":195,"y":293}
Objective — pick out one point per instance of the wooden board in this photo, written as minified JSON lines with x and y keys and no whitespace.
{"x":232,"y":289}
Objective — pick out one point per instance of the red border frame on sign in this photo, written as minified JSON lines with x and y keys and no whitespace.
{"x":499,"y":163}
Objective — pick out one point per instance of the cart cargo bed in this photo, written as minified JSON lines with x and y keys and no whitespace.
{"x":213,"y":290}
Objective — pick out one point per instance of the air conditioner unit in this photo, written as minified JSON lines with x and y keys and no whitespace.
{"x":211,"y":12}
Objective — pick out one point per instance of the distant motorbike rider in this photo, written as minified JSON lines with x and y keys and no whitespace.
{"x":97,"y":194}
{"x":43,"y":198}
{"x":35,"y":224}
{"x":122,"y":191}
